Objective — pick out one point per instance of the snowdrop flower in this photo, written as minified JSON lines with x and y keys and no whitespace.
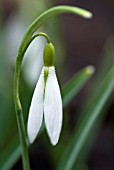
{"x":46,"y":99}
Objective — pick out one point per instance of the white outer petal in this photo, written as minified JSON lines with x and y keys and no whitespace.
{"x":33,"y":60}
{"x":36,"y":109}
{"x":53,"y":107}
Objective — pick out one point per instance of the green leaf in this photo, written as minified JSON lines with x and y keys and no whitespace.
{"x":13,"y":151}
{"x":82,"y":134}
{"x":70,"y":89}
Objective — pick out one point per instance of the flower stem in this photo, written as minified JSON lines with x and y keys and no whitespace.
{"x":22,"y":133}
{"x":21,"y":126}
{"x":18,"y":108}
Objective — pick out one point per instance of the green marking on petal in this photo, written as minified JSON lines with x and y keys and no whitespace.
{"x":46,"y":71}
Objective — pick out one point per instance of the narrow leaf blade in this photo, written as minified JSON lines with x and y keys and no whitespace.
{"x":82,"y":135}
{"x":70,"y":90}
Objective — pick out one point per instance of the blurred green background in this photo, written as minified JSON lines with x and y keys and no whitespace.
{"x":78,"y":43}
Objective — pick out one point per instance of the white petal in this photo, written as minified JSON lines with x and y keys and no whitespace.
{"x":36,"y":110}
{"x":53,"y":107}
{"x":33,"y":60}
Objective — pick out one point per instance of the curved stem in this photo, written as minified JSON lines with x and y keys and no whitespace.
{"x":24,"y":45}
{"x":33,"y":37}
{"x":18,"y":67}
{"x":36,"y":35}
{"x":19,"y":115}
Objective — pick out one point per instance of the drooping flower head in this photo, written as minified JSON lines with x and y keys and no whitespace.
{"x":46,"y":101}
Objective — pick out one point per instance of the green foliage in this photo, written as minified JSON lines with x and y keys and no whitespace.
{"x":82,"y":134}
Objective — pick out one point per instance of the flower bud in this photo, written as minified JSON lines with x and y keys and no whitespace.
{"x":49,"y":54}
